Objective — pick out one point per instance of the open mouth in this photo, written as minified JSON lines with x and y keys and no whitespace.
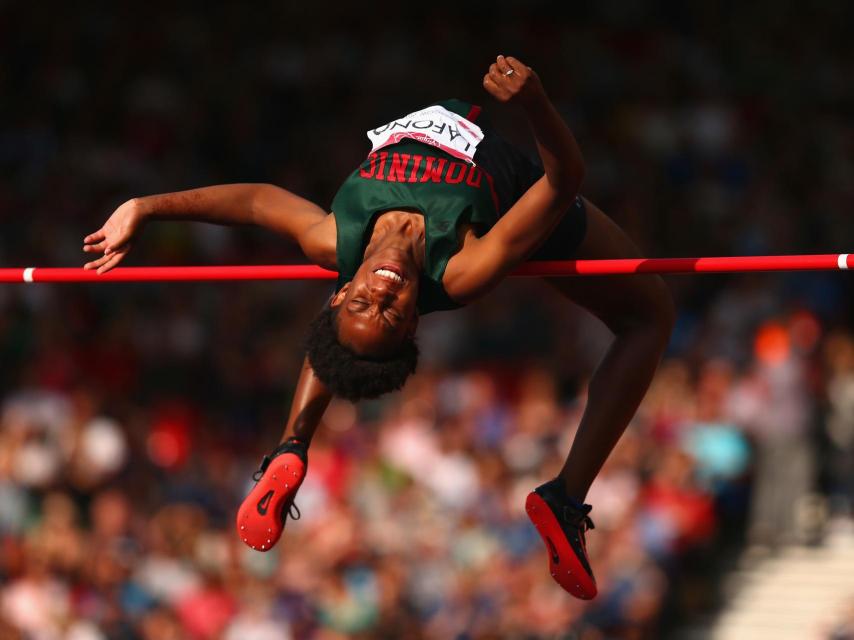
{"x":390,"y":273}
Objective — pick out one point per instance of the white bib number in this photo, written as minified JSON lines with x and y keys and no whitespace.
{"x":435,"y":126}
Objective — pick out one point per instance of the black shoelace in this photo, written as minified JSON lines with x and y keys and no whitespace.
{"x":265,"y":462}
{"x":578,"y":518}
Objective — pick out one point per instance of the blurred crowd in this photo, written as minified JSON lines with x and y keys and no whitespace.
{"x":132,"y":416}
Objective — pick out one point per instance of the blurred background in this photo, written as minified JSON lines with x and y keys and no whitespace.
{"x":132,"y":416}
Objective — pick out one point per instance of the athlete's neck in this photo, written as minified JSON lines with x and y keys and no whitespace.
{"x":398,"y":231}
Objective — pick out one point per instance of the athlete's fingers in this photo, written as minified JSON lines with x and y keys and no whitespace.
{"x":95,"y":237}
{"x":498,"y":92}
{"x":512,"y":69}
{"x":504,"y":91}
{"x":117,"y":243}
{"x":94,"y":264}
{"x":521,"y":70}
{"x":94,"y":248}
{"x":497,"y":77}
{"x":503,"y":66}
{"x":507,"y":76}
{"x":516,"y":64}
{"x":490,"y":86}
{"x":112,"y":261}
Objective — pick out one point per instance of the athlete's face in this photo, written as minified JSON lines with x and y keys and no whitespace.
{"x":377,"y":308}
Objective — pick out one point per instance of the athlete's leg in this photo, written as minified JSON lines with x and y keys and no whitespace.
{"x":639,"y":311}
{"x":262,"y":516}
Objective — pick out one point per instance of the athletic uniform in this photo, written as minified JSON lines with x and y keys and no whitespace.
{"x":449,"y":192}
{"x":454,"y":172}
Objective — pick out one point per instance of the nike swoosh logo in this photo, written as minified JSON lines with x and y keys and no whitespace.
{"x":264,"y":503}
{"x":553,"y":551}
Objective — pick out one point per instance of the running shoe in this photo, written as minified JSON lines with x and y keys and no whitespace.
{"x":262,"y":516}
{"x":562,"y":523}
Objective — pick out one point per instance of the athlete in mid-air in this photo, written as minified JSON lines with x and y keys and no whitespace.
{"x":440,"y":211}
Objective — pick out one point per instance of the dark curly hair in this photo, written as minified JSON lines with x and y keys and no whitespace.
{"x":349,"y":375}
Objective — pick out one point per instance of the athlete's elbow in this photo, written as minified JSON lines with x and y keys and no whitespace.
{"x":577,"y":175}
{"x":566,"y":185}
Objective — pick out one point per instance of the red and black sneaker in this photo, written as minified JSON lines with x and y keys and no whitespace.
{"x":261,"y":518}
{"x":562,"y":523}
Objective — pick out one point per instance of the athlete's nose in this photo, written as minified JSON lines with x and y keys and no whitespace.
{"x":380,"y":288}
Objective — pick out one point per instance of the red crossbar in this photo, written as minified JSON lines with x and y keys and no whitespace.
{"x":824,"y":262}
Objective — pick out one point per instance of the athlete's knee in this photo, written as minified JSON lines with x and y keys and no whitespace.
{"x":658,"y":312}
{"x":651,"y":309}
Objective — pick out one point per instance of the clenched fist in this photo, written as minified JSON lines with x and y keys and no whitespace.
{"x":510,"y":80}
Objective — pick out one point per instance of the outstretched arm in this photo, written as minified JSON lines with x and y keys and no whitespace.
{"x":263,"y":204}
{"x":483,"y":263}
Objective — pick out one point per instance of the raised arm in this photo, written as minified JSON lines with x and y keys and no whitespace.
{"x":261,"y":204}
{"x":483,"y":263}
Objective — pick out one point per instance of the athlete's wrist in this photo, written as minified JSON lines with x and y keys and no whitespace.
{"x":142,"y":207}
{"x":535,"y":105}
{"x":157,"y":206}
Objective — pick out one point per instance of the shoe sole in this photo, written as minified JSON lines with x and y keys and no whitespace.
{"x":564,"y":565}
{"x":259,"y":519}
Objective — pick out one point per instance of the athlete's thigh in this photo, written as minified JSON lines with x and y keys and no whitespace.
{"x":617,"y":300}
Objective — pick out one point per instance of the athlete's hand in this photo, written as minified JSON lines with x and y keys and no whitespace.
{"x":114,"y":239}
{"x":509,"y":80}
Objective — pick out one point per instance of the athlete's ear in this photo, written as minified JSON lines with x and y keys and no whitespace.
{"x":339,"y":296}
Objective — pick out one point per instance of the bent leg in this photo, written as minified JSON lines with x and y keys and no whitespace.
{"x":639,"y":310}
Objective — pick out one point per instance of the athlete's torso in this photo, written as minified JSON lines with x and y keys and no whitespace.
{"x":455,"y":197}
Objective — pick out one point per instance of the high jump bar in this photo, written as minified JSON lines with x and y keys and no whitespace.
{"x":734,"y":264}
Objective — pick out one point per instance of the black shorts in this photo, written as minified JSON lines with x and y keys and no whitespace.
{"x":513,"y":174}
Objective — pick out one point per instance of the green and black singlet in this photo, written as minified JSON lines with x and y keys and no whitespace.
{"x":448,"y":192}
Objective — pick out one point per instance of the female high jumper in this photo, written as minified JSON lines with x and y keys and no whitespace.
{"x":440,"y":211}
